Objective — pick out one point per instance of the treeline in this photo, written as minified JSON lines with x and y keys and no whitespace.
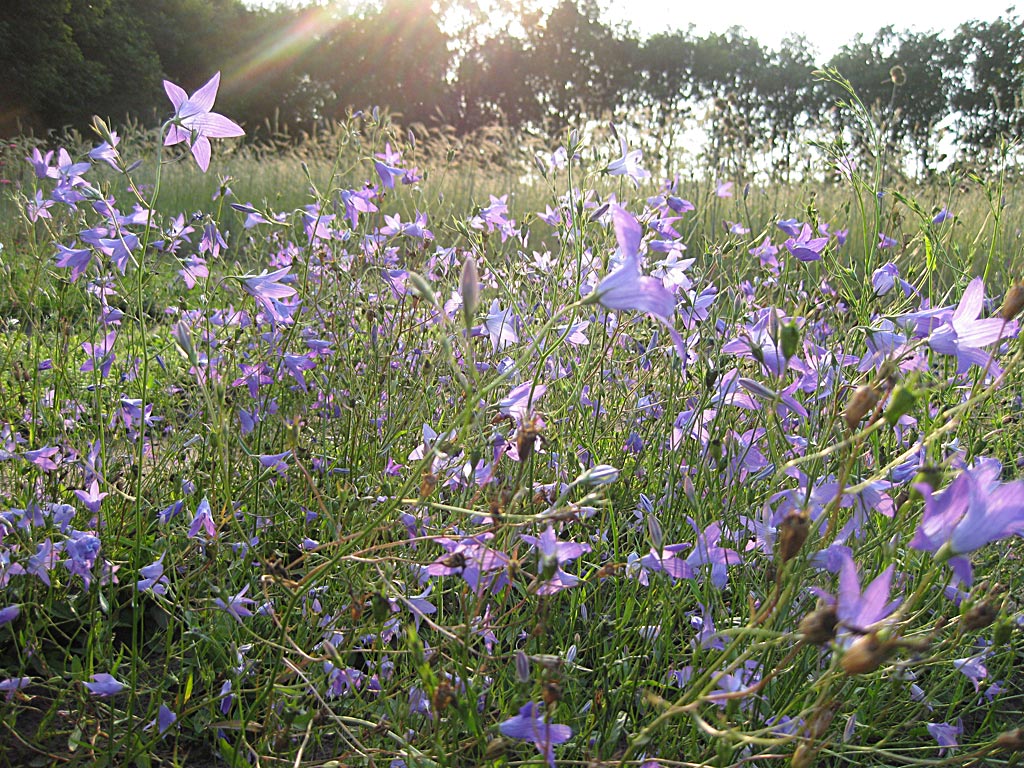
{"x":446,"y":63}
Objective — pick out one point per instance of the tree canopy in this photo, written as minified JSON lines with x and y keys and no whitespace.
{"x":450,"y":63}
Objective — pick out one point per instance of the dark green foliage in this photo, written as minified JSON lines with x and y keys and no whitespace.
{"x":523,"y":65}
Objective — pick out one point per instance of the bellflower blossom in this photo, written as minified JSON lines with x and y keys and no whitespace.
{"x":530,"y":725}
{"x":194,"y":123}
{"x":974,"y":510}
{"x":627,"y":289}
{"x":963,"y":334}
{"x":628,"y":164}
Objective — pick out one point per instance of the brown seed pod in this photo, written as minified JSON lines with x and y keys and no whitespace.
{"x":819,"y":626}
{"x":866,"y":654}
{"x":1013,"y":303}
{"x":793,"y":532}
{"x":1012,"y":741}
{"x":979,"y":615}
{"x":864,"y":398}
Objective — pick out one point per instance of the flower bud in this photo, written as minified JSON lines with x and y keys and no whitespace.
{"x":901,"y":402}
{"x":654,"y":532}
{"x":469,"y":289}
{"x":789,"y":339}
{"x":522,"y":667}
{"x":864,"y":398}
{"x":897,"y":75}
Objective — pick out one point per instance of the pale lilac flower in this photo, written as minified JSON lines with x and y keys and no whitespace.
{"x":628,"y":289}
{"x":628,"y":164}
{"x":75,"y":259}
{"x":104,"y":684}
{"x":805,"y":246}
{"x":107,"y":151}
{"x":963,"y":334}
{"x":501,"y":326}
{"x":165,"y":718}
{"x":92,"y":497}
{"x":46,"y":458}
{"x":153,"y":578}
{"x":203,"y":521}
{"x":946,"y":734}
{"x":974,"y":510}
{"x":194,"y":123}
{"x":40,"y":162}
{"x":941,"y":216}
{"x":12,"y":685}
{"x":236,"y":605}
{"x":530,"y":725}
{"x":520,"y":401}
{"x":38,"y":208}
{"x":9,"y":613}
{"x":553,"y":554}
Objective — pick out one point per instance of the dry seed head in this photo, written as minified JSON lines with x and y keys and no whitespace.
{"x":819,"y":626}
{"x":1013,"y":303}
{"x":1012,"y":741}
{"x":793,"y":532}
{"x":526,"y":439}
{"x":864,"y":398}
{"x":803,"y":756}
{"x":866,"y":654}
{"x":979,"y":615}
{"x":428,"y":482}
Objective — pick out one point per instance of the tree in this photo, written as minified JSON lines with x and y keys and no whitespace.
{"x":988,"y":97}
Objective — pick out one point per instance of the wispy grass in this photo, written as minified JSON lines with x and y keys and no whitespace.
{"x":311,"y":548}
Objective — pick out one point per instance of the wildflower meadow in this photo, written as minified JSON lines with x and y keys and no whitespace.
{"x":385,"y":456}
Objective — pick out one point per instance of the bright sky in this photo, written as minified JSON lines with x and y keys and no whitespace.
{"x":828,"y":23}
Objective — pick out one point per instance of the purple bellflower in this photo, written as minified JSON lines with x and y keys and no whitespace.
{"x":627,"y":289}
{"x":963,"y":334}
{"x":553,"y":553}
{"x":237,"y":605}
{"x":194,"y":123}
{"x":974,"y":510}
{"x":104,"y":684}
{"x":628,"y":164}
{"x":530,"y":725}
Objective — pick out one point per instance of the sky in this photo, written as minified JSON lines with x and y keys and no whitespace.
{"x":828,"y":24}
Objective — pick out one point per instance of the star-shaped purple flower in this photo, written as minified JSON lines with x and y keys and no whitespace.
{"x":194,"y":123}
{"x":530,"y":725}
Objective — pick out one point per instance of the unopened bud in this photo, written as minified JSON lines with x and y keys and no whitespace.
{"x":897,"y":75}
{"x":522,"y":667}
{"x":1013,"y":303}
{"x":793,"y":532}
{"x":421,"y":288}
{"x":864,"y":398}
{"x":495,"y":748}
{"x":901,"y":402}
{"x":655,"y":533}
{"x":789,"y":339}
{"x":1001,"y":633}
{"x":819,"y":626}
{"x":469,"y":289}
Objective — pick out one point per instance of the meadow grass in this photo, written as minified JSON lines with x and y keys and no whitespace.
{"x":297,"y":483}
